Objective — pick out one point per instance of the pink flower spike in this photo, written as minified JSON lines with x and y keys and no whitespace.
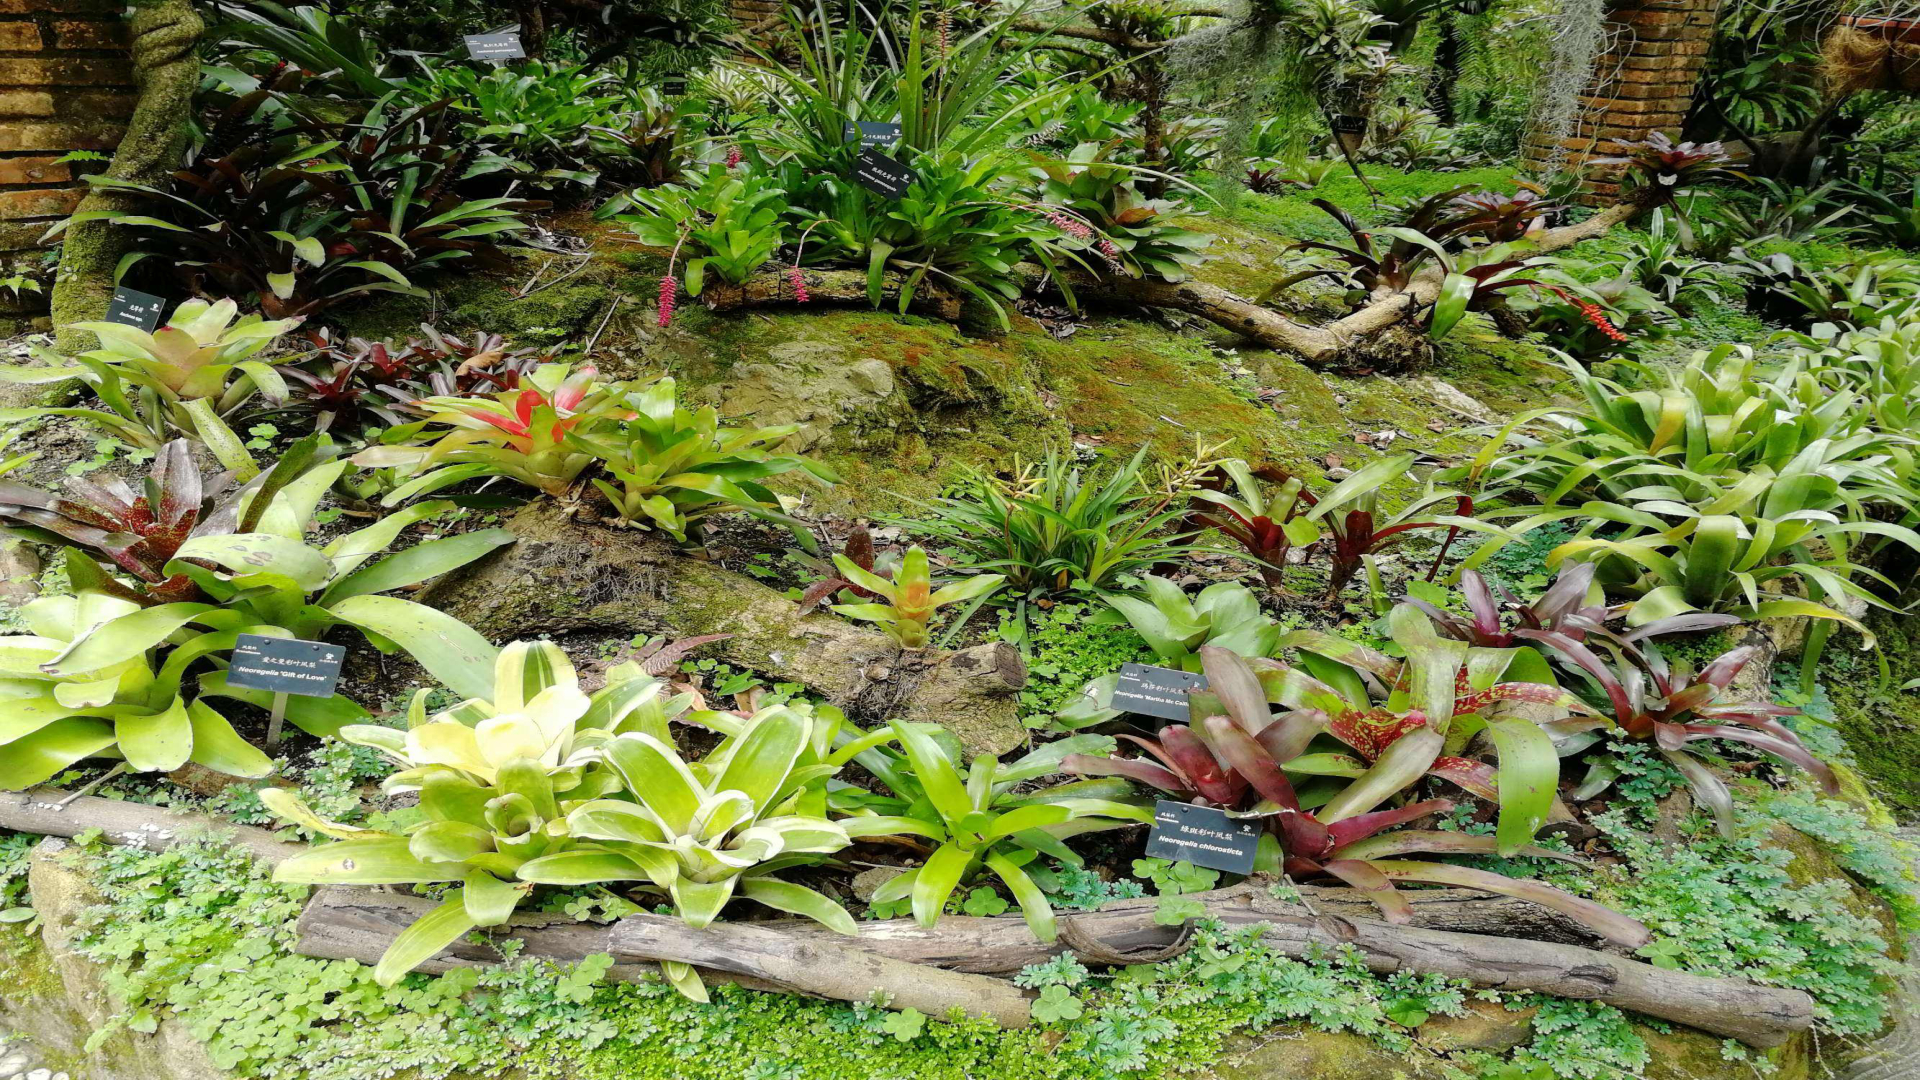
{"x":669,"y":289}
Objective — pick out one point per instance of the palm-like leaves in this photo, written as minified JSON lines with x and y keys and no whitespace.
{"x":976,"y":818}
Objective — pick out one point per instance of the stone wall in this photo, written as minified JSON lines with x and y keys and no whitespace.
{"x":1642,"y":82}
{"x":65,"y":84}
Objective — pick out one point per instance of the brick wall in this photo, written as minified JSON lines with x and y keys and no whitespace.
{"x":756,"y":17}
{"x":65,"y":84}
{"x":1642,"y":83}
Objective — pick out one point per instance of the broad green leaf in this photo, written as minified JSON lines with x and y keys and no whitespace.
{"x":381,"y":861}
{"x":798,"y":900}
{"x":422,"y":941}
{"x":161,"y":742}
{"x":124,"y":638}
{"x":937,"y":879}
{"x":251,"y":553}
{"x":418,"y":563}
{"x":220,"y":748}
{"x":1528,"y":778}
{"x":450,"y":650}
{"x":51,"y":750}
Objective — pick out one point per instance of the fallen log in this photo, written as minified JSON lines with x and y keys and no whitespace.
{"x":131,"y":824}
{"x":836,"y":287}
{"x":359,"y":927}
{"x":963,"y":943}
{"x":357,"y":924}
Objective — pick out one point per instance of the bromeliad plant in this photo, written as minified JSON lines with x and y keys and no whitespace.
{"x":1572,"y":607}
{"x":1132,"y":231}
{"x":1240,"y":756}
{"x":315,"y":212}
{"x":497,"y":776}
{"x":978,"y":820}
{"x":1452,"y":692}
{"x":672,"y":467}
{"x":668,"y":467}
{"x":1267,"y":523}
{"x":1715,"y":489}
{"x":1050,"y":528}
{"x":1225,"y":615}
{"x":703,"y":832}
{"x":729,"y":222}
{"x":518,"y":433}
{"x":1677,"y":707}
{"x":271,"y":583}
{"x":911,"y":599}
{"x":138,"y":533}
{"x":188,"y":377}
{"x":1356,"y":530}
{"x":124,"y":709}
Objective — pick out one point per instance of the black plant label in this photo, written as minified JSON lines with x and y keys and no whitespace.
{"x":131,"y":307}
{"x":502,"y":46}
{"x":873,"y":134}
{"x":1156,"y":691}
{"x":881,"y":174}
{"x":285,"y":665}
{"x":1204,"y":836}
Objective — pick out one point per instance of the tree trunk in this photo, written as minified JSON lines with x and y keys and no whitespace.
{"x":167,"y":71}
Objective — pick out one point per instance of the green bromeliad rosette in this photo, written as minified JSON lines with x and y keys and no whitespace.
{"x":544,"y":784}
{"x":495,"y":777}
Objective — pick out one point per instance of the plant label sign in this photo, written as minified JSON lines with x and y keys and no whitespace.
{"x":881,"y":174}
{"x":873,"y":134}
{"x":285,"y":665}
{"x":131,"y":307}
{"x":1203,"y":836}
{"x":1156,"y":691}
{"x":501,"y":46}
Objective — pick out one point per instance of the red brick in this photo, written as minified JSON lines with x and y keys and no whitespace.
{"x":91,"y":34}
{"x":19,"y":37}
{"x":101,"y":103}
{"x":62,"y":72}
{"x":20,"y":103}
{"x":47,"y":203}
{"x":34,"y":170}
{"x":63,"y":7}
{"x":21,"y":235}
{"x":60,"y":137}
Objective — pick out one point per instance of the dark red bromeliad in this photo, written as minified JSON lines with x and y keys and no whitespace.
{"x":1239,"y":758}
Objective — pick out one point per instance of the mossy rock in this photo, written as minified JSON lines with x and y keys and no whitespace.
{"x":1311,"y":1054}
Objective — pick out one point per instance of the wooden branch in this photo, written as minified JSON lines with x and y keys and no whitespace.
{"x":786,"y":952}
{"x":833,"y":966}
{"x":1316,"y":344}
{"x":828,"y":287}
{"x":931,"y":969}
{"x":358,"y":924}
{"x":131,"y":824}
